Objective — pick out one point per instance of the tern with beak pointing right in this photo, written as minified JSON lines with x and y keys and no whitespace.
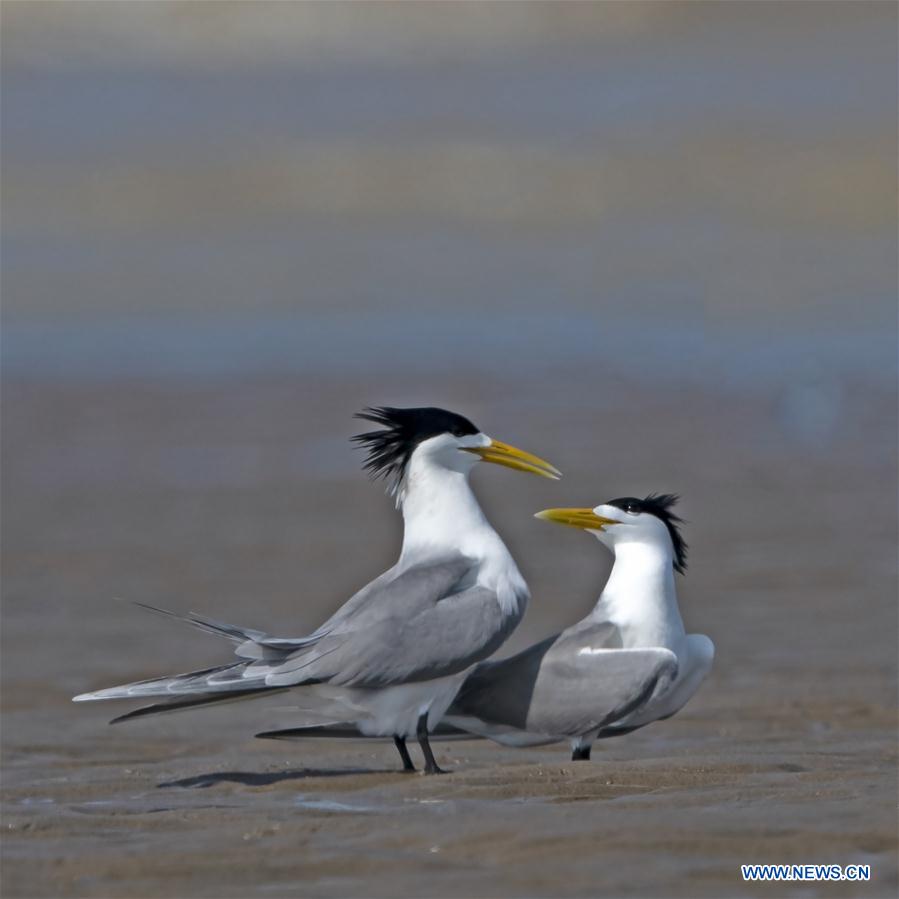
{"x":392,"y":658}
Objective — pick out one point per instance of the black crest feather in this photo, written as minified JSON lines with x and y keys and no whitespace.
{"x":660,"y":505}
{"x":390,"y":448}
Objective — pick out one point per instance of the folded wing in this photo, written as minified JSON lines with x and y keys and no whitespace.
{"x":425,"y":622}
{"x":565,"y":686}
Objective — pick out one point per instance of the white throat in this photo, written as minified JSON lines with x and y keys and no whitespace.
{"x":442,"y":516}
{"x":640,"y":597}
{"x":440,"y":513}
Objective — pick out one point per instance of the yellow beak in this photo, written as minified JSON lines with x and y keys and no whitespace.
{"x":503,"y":454}
{"x":576,"y":518}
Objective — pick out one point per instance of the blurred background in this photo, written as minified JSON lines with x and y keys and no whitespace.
{"x":652,"y":242}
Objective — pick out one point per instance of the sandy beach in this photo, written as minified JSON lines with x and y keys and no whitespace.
{"x":786,"y":755}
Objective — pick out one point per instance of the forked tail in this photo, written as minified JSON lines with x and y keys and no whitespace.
{"x":235,"y":680}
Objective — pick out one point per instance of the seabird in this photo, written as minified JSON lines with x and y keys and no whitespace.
{"x":627,"y":664}
{"x":392,"y":658}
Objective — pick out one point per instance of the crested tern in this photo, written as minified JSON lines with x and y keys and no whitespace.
{"x":628,"y":663}
{"x":392,"y":658}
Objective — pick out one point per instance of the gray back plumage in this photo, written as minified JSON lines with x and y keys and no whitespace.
{"x":428,"y":621}
{"x":566,"y":685}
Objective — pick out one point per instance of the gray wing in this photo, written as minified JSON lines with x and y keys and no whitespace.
{"x":427,"y":622}
{"x":418,"y":585}
{"x":570,"y":684}
{"x":378,"y":598}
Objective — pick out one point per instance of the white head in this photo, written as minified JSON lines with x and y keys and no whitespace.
{"x":439,"y":440}
{"x":648,"y":521}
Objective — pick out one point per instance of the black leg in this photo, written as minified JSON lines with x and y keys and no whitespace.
{"x":400,"y":743}
{"x":581,"y":754}
{"x":431,"y":767}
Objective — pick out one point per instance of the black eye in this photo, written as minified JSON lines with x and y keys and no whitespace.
{"x":632,"y":507}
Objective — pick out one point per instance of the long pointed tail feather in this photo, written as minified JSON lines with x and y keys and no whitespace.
{"x":223,"y":678}
{"x":249,"y":642}
{"x":179,"y":705}
{"x":209,"y":625}
{"x":253,"y":647}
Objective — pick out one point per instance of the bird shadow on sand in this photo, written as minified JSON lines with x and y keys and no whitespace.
{"x":265,"y":779}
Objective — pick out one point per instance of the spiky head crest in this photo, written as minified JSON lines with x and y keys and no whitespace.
{"x":660,"y":505}
{"x":402,"y":430}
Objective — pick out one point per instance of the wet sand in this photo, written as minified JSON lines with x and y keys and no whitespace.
{"x":242,"y":499}
{"x":654,"y":243}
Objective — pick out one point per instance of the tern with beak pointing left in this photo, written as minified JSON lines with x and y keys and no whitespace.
{"x":627,"y":664}
{"x":392,"y":658}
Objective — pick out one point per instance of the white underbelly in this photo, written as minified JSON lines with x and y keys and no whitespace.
{"x":395,"y":710}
